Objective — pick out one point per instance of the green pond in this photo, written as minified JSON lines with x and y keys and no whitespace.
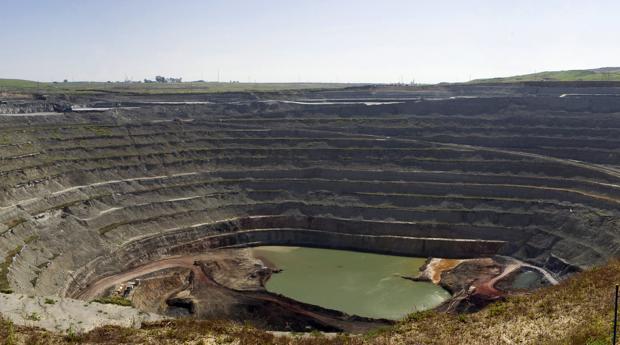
{"x":357,"y":283}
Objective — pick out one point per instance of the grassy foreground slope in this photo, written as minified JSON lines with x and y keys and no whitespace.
{"x":578,"y":311}
{"x":599,"y":74}
{"x":27,"y":86}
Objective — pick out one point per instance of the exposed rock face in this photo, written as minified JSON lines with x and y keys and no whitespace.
{"x":467,"y":273}
{"x":521,"y":172}
{"x":65,"y":314}
{"x":474,"y":283}
{"x":24,"y":107}
{"x":219,"y":284}
{"x":62,"y":107}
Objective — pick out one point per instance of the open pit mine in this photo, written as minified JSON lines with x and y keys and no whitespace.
{"x":165,"y":201}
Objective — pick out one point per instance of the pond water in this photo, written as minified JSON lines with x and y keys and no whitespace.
{"x":357,"y":283}
{"x":527,"y":280}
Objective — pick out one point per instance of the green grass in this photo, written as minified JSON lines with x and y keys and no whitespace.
{"x":114,"y":300}
{"x":4,"y":269}
{"x":26,"y":86}
{"x":571,"y":75}
{"x":33,"y":317}
{"x":497,"y":309}
{"x":100,"y":130}
{"x":7,"y":333}
{"x":417,"y":316}
{"x":18,"y":84}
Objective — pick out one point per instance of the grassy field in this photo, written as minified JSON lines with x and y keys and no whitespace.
{"x":576,"y":312}
{"x":26,"y":86}
{"x":611,"y":74}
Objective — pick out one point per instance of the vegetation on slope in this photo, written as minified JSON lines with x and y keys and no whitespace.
{"x":577,"y":312}
{"x":5,"y":287}
{"x":118,"y":300}
{"x":26,"y":86}
{"x":601,"y":74}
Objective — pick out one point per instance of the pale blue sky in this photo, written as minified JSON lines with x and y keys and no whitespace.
{"x":304,"y":40}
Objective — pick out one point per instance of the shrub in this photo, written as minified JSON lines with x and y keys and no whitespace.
{"x":417,"y":316}
{"x":72,"y":336}
{"x":33,"y":317}
{"x":497,"y":309}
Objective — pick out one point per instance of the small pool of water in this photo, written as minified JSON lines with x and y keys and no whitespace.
{"x":356,"y":283}
{"x":526,"y":281}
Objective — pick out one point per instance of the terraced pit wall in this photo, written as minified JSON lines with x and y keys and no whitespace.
{"x":277,"y":230}
{"x":89,"y":195}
